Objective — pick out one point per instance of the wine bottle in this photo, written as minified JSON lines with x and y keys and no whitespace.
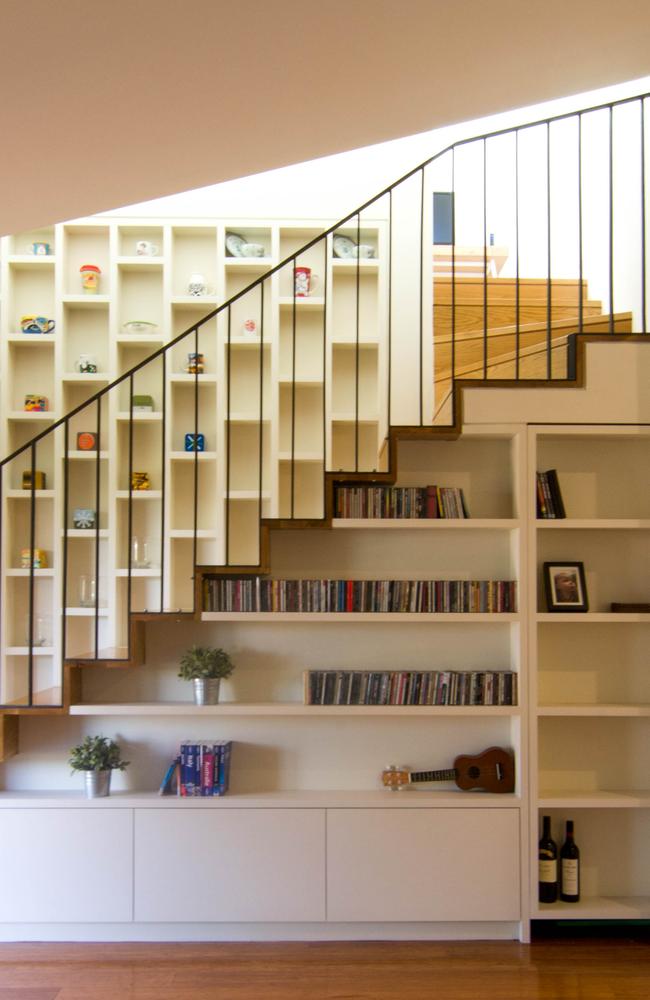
{"x":547,"y":864}
{"x":570,"y":867}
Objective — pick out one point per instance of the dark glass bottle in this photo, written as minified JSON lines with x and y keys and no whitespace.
{"x":569,"y":867}
{"x":547,"y":859}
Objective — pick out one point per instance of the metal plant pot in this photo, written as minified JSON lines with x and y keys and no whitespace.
{"x":206,"y":690}
{"x":98,"y":783}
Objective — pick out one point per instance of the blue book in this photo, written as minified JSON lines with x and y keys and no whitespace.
{"x":190,"y":770}
{"x":223,"y":750}
{"x":167,"y":784}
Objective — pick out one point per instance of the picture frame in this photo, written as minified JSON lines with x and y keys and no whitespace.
{"x":565,"y":586}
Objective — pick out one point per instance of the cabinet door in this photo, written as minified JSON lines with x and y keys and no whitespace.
{"x":234,"y":864}
{"x":422,"y":864}
{"x":66,"y":865}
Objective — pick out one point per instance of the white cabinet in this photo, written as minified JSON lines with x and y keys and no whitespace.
{"x":230,"y":865}
{"x":66,"y":865}
{"x":423,"y":864}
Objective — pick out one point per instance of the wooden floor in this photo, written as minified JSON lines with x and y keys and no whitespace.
{"x":557,"y":970}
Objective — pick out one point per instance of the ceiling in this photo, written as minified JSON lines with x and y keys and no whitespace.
{"x":109,"y":104}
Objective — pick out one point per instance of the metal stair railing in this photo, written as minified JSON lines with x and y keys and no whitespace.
{"x":31,"y":675}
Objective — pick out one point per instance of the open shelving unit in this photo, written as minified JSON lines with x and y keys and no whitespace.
{"x":589,"y":727}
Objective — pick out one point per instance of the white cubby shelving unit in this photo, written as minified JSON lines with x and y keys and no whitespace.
{"x":246,"y":376}
{"x":591,"y":710}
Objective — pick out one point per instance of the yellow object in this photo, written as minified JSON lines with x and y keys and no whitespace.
{"x":39,"y":560}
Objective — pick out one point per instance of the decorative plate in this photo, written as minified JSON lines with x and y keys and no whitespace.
{"x":140,"y":326}
{"x":234,"y":244}
{"x":343,"y":246}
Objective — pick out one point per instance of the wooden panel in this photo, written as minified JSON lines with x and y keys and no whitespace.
{"x":66,"y":865}
{"x":417,"y":864}
{"x":8,"y":736}
{"x":240,"y":865}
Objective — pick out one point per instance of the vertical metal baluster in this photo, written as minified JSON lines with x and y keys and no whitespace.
{"x":2,"y":642}
{"x":517,"y":288}
{"x":356,"y":352}
{"x":228,"y":438}
{"x":324,"y":397}
{"x":97,"y":516}
{"x":453,"y":283}
{"x":580,"y":234}
{"x":611,"y":219}
{"x":421,"y":360}
{"x":66,"y":507}
{"x":195,"y":484}
{"x":129,"y":521}
{"x":485,"y":287}
{"x":163,"y":482}
{"x":32,"y":537}
{"x":643,"y":220}
{"x":549,"y":361}
{"x":293,"y":392}
{"x":390,"y":304}
{"x":261,"y":430}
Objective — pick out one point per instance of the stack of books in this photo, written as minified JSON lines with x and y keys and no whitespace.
{"x":399,"y":502}
{"x":410,"y":687}
{"x":199,"y":769}
{"x":549,"y":497}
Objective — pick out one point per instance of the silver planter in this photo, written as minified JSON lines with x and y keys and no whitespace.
{"x":206,"y":690}
{"x":98,"y":784}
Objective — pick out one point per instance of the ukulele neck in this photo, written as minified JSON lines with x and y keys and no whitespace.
{"x":449,"y":774}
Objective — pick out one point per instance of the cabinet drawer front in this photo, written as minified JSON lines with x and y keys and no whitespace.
{"x":423,"y":864}
{"x":66,"y":865}
{"x":236,"y":864}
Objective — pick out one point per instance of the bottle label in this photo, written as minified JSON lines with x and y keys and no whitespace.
{"x":570,"y":877}
{"x":548,"y":871}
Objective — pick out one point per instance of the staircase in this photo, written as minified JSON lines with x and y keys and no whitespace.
{"x":485,"y":329}
{"x":508,"y":329}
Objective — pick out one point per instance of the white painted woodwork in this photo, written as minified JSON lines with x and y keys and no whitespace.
{"x":239,"y":865}
{"x":66,"y":864}
{"x":423,"y":864}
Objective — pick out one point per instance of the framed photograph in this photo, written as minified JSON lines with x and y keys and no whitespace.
{"x":565,"y":586}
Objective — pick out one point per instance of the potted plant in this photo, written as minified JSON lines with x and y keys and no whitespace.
{"x":205,"y":665}
{"x":97,"y":756}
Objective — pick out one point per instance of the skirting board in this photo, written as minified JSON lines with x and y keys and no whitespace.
{"x":485,"y":931}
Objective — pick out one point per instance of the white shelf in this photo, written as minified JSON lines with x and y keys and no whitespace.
{"x":86,"y":301}
{"x":596,"y":908}
{"x":295,"y":709}
{"x":365,"y":265}
{"x":150,"y":572}
{"x":139,"y":416}
{"x":90,"y":377}
{"x":184,"y":378}
{"x":28,"y":261}
{"x":25,"y":572}
{"x":396,"y":617}
{"x":307,"y":303}
{"x":248,"y":265}
{"x":86,"y":533}
{"x":32,"y":339}
{"x":24,"y":651}
{"x":426,"y":524}
{"x":549,"y":799}
{"x":206,"y":303}
{"x":188,"y":456}
{"x":599,"y":524}
{"x":85,"y":456}
{"x":152,"y":340}
{"x":590,"y":617}
{"x":142,"y":263}
{"x":189,"y":533}
{"x":32,"y":416}
{"x":86,"y":612}
{"x":26,"y":494}
{"x":139,"y":494}
{"x":364,"y":798}
{"x":597,"y":711}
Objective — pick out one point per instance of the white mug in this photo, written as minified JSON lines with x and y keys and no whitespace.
{"x":197,"y":285}
{"x":144,"y":248}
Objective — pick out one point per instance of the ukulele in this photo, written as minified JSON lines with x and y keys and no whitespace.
{"x":493,"y":771}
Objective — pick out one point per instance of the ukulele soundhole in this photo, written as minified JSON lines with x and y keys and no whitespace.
{"x":473,"y":772}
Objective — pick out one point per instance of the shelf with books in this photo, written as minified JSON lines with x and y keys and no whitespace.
{"x":292,"y":709}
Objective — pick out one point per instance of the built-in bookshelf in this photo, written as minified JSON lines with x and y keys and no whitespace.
{"x":591,"y":687}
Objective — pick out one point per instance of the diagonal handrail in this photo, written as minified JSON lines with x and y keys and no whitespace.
{"x":419,"y":364}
